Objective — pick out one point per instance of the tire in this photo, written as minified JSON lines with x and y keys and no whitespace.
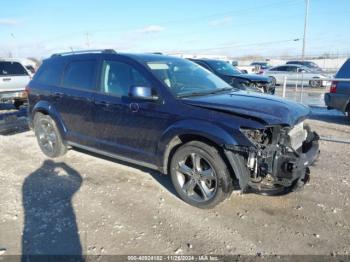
{"x":315,"y":83}
{"x":48,"y":136}
{"x":273,"y":82}
{"x":205,"y":184}
{"x":17,"y":104}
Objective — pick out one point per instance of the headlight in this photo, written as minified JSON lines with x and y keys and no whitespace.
{"x":297,"y":136}
{"x":257,"y":136}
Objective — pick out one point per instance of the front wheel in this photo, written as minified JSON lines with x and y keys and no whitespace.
{"x":48,"y":136}
{"x":199,"y":175}
{"x":273,"y":82}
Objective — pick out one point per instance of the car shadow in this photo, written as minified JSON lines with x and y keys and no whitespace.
{"x":13,"y":121}
{"x":163,"y":180}
{"x":50,"y":230}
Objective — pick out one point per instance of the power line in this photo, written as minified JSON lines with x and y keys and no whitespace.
{"x":234,"y":46}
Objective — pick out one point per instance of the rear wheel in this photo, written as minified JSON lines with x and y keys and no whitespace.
{"x":199,"y":174}
{"x":48,"y":136}
{"x":17,"y":104}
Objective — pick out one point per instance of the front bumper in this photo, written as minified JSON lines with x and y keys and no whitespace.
{"x":13,"y":95}
{"x":276,"y":171}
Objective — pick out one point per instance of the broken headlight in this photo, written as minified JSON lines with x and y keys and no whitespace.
{"x":258,"y":137}
{"x":297,"y":135}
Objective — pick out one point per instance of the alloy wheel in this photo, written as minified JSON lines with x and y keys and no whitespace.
{"x":196,"y":177}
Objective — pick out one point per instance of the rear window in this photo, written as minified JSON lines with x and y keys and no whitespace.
{"x":344,"y":71}
{"x":8,"y":68}
{"x":80,"y":74}
{"x":50,"y":73}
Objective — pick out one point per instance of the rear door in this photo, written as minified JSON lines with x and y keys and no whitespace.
{"x":13,"y":76}
{"x":73,"y":99}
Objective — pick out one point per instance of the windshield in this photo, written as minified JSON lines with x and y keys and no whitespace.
{"x":311,"y":64}
{"x":224,"y":68}
{"x":185,"y":78}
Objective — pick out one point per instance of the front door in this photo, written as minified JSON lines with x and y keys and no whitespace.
{"x":124,"y":126}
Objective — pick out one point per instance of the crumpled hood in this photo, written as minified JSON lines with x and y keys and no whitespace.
{"x":267,"y":108}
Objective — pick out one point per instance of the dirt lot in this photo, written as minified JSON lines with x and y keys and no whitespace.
{"x":84,"y":204}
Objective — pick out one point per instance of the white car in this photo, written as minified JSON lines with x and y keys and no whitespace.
{"x":13,"y":79}
{"x":295,"y":73}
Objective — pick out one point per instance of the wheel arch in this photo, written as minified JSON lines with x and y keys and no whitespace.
{"x":197,"y":131}
{"x":46,"y":108}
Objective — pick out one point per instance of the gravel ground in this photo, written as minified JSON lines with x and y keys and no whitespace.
{"x":81,"y":203}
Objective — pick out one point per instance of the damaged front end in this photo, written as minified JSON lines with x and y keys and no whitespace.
{"x":277,"y":160}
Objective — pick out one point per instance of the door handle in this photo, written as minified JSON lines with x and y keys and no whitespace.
{"x":58,"y":95}
{"x":134,"y":107}
{"x":102,"y":103}
{"x":6,"y":79}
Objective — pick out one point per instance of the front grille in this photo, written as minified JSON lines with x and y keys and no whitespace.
{"x":297,"y":136}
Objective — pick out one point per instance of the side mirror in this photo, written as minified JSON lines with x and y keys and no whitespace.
{"x":142,"y":92}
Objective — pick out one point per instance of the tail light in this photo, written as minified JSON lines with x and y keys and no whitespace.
{"x":333,"y":88}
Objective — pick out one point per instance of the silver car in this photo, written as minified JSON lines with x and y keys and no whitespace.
{"x":13,"y":79}
{"x":295,"y":73}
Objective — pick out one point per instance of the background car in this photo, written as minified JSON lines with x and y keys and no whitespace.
{"x":311,"y":65}
{"x":262,"y":66}
{"x":339,"y":94}
{"x":13,"y":79}
{"x":235,"y":77}
{"x":295,"y":73}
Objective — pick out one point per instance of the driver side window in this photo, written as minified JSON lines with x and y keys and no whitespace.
{"x":118,"y":77}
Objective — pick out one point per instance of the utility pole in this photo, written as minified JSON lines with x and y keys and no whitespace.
{"x":87,"y":40}
{"x":304,"y":43}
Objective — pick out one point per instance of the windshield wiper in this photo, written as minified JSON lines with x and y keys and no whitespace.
{"x":229,"y":88}
{"x":225,"y":89}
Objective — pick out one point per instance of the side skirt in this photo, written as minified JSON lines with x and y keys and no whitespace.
{"x":115,"y":156}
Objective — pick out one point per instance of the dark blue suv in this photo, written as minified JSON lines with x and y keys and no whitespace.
{"x":171,"y":115}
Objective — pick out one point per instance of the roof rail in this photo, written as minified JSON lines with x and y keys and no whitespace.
{"x":107,"y":51}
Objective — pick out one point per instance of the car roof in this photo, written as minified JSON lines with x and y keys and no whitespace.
{"x":293,"y":65}
{"x":298,"y":61}
{"x":140,"y":57}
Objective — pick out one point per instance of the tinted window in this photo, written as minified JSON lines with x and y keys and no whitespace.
{"x":291,"y":68}
{"x":203,"y":65}
{"x":118,"y":77}
{"x":344,"y":71}
{"x":50,"y":73}
{"x":224,"y":68}
{"x":280,"y":68}
{"x":11,"y":69}
{"x":80,"y":74}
